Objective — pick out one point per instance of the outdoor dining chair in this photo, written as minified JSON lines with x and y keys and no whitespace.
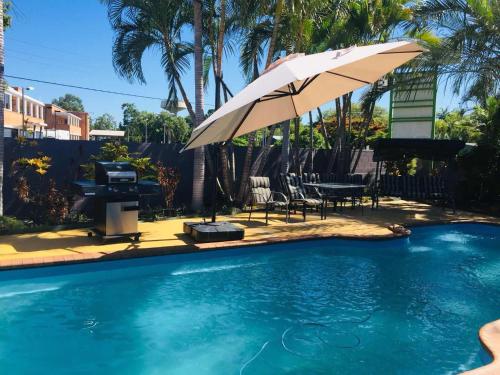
{"x":337,"y":198}
{"x":297,"y":195}
{"x":261,"y":196}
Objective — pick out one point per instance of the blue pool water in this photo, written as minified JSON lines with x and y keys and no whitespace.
{"x":407,"y":306}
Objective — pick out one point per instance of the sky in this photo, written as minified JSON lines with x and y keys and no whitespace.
{"x":70,"y":41}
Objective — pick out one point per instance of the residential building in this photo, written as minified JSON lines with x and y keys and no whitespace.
{"x":23,"y":115}
{"x":62,"y":124}
{"x":102,"y":135}
{"x":84,"y":124}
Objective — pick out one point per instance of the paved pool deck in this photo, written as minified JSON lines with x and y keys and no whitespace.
{"x":167,"y":237}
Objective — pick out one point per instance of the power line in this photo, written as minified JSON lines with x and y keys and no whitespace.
{"x":89,"y":88}
{"x":82,"y":87}
{"x":47,"y":63}
{"x":49,"y":57}
{"x":44,"y":47}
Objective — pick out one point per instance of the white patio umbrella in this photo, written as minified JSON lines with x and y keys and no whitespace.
{"x":298,"y":85}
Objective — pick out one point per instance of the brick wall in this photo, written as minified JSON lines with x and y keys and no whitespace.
{"x":84,"y":124}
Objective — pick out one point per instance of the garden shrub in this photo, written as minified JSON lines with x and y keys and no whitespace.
{"x":168,"y":178}
{"x":11,"y":224}
{"x":115,"y":151}
{"x":481,"y":165}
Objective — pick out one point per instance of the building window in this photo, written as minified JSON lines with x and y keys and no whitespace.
{"x":41,"y":112}
{"x":8,"y":101}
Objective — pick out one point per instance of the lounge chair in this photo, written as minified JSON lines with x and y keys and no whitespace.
{"x":297,"y":195}
{"x":261,"y":196}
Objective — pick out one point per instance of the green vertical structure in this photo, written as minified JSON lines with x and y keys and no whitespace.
{"x":412,"y":108}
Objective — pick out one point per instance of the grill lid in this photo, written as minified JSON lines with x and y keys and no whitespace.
{"x":114,"y":173}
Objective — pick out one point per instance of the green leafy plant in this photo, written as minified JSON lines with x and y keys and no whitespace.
{"x":116,"y":151}
{"x":11,"y":224}
{"x":39,"y":165}
{"x":46,"y":203}
{"x":404,"y":167}
{"x":481,"y":165}
{"x":24,"y":169}
{"x":56,"y":204}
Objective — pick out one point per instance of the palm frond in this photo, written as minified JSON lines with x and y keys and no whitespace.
{"x":207,"y":67}
{"x":252,"y":50}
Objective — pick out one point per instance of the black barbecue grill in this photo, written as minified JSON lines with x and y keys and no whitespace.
{"x":116,"y":192}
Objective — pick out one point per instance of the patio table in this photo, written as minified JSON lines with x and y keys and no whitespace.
{"x":338,"y":186}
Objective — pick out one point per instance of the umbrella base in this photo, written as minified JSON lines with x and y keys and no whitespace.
{"x":213,"y":232}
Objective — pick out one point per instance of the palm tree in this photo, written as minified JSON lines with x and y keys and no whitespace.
{"x":258,"y":30}
{"x":278,"y":10}
{"x":252,"y":52}
{"x":300,"y":19}
{"x":199,"y":153}
{"x":356,"y":22}
{"x":280,"y":34}
{"x":468,"y":52}
{"x":141,"y":25}
{"x":219,"y":26}
{"x":2,"y":95}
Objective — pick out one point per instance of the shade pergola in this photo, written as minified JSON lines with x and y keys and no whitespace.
{"x":299,"y":85}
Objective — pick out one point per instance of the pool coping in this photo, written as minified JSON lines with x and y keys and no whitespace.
{"x":489,"y":337}
{"x":60,"y":260}
{"x":189,"y":248}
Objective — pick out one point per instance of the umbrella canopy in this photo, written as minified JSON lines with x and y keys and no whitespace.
{"x":298,"y":85}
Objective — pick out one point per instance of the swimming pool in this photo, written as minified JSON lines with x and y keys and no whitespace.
{"x":406,"y":306}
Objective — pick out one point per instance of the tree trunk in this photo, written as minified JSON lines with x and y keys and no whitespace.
{"x":199,"y":153}
{"x":343,"y":153}
{"x":189,"y":107}
{"x":224,"y":158}
{"x":226,"y":173}
{"x":247,"y":164}
{"x":220,"y":37}
{"x":258,"y":168}
{"x":285,"y":147}
{"x":274,"y":36}
{"x":366,"y":124}
{"x":261,"y":159}
{"x":339,"y":133}
{"x":340,"y":155}
{"x":324,"y":132}
{"x":232,"y":160}
{"x":2,"y":98}
{"x":296,"y":146}
{"x":311,"y":143}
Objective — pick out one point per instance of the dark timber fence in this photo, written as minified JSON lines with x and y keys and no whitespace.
{"x":67,"y":156}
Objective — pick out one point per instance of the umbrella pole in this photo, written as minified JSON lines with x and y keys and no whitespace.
{"x":214,"y":181}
